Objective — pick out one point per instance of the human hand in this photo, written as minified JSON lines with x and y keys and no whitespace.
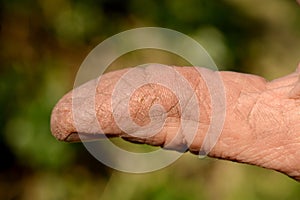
{"x":260,"y":126}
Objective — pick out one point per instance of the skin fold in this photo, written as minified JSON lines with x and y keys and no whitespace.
{"x":261,"y":125}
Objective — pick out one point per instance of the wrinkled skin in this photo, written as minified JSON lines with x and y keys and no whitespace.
{"x":261,"y":126}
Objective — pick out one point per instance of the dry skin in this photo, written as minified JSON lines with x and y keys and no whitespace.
{"x":260,"y":128}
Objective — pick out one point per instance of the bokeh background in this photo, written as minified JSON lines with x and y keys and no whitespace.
{"x":43,"y":43}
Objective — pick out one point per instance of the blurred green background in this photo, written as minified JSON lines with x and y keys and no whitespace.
{"x":43,"y":43}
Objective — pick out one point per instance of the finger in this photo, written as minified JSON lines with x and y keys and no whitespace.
{"x":87,"y":112}
{"x":65,"y":125}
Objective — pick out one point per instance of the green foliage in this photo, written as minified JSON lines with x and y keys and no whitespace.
{"x":27,"y":131}
{"x":42,"y":44}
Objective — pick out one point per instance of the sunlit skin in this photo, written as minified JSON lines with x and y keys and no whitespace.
{"x":261,"y":126}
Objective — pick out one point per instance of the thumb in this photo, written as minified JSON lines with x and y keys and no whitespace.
{"x":151,"y":115}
